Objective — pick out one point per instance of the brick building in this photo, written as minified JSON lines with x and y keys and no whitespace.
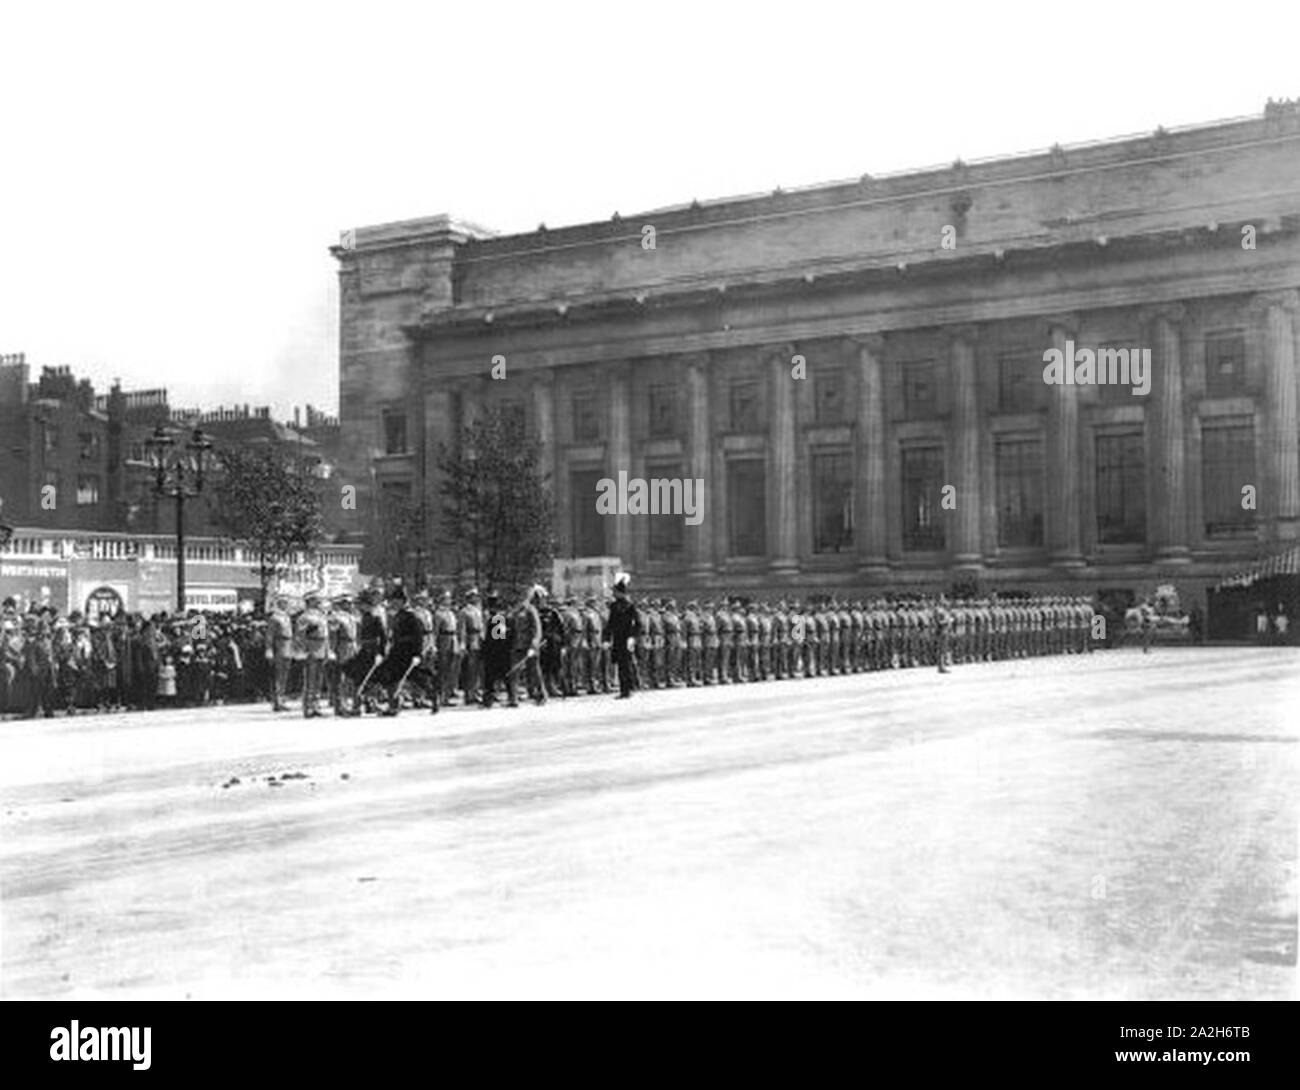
{"x":922,"y":304}
{"x":58,"y":433}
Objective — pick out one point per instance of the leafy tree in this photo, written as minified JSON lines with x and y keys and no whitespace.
{"x":399,"y":541}
{"x":498,"y":514}
{"x":268,"y":505}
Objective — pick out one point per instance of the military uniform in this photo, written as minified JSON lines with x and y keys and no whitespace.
{"x":279,"y":652}
{"x":471,"y":632}
{"x":311,"y":633}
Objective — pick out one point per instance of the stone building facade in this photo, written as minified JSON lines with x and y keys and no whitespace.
{"x":921,"y":442}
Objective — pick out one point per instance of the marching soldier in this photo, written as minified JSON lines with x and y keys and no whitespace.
{"x":528,"y":645}
{"x":406,"y":638}
{"x":551,"y":657}
{"x":498,"y":644}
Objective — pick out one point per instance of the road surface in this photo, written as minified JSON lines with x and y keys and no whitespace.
{"x":1107,"y":826}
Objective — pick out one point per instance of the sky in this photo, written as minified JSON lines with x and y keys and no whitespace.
{"x":172,"y":175}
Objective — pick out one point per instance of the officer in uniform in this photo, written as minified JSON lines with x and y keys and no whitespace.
{"x":711,"y":642}
{"x":470,"y":620}
{"x":279,"y":650}
{"x":372,"y":641}
{"x":780,"y":641}
{"x":406,"y":637}
{"x":311,"y":633}
{"x":624,"y":631}
{"x":498,"y":642}
{"x":551,"y":657}
{"x":528,"y":646}
{"x":764,"y":641}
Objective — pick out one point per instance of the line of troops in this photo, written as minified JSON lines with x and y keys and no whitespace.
{"x":384,"y":650}
{"x":723,"y":642}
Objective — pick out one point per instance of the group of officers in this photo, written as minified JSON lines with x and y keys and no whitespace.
{"x":386,"y":650}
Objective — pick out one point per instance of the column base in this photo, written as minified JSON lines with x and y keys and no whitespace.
{"x":1173,"y":554}
{"x":1070,"y":561}
{"x":968,"y":562}
{"x":700,"y":573}
{"x":874,"y":567}
{"x":784,"y":567}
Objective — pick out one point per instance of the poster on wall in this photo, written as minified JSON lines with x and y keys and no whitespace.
{"x":37,"y":582}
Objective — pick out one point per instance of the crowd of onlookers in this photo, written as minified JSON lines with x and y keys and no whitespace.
{"x":72,"y":663}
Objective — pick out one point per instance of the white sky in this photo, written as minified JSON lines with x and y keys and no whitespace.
{"x":171,"y":175}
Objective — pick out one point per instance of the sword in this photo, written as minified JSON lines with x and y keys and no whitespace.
{"x":397,"y":693}
{"x":373,"y":666}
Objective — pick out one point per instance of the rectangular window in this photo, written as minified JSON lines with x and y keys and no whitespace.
{"x":1225,"y":363}
{"x":832,"y":482}
{"x":588,"y":524}
{"x":667,"y":538}
{"x":829,"y":390}
{"x":1227,"y":466}
{"x":747,"y":507}
{"x":922,"y":473}
{"x":1121,"y":489}
{"x":88,"y":441}
{"x":920,"y":392}
{"x":1020,"y":384}
{"x":1109,"y":364}
{"x":1019,"y":464}
{"x":87,"y":491}
{"x":746,"y":405}
{"x":664,"y":418}
{"x":394,"y":431}
{"x":50,"y":434}
{"x":586,"y":422}
{"x":136,"y":453}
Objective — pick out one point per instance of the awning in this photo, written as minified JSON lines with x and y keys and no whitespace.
{"x":1284,"y":562}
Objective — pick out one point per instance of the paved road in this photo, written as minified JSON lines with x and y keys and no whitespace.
{"x":1111,"y":826}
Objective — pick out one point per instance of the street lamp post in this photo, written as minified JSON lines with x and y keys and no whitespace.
{"x":179,"y":470}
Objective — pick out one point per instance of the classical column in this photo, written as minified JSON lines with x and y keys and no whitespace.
{"x":1281,"y":461}
{"x":543,"y":392}
{"x":699,"y":444}
{"x":1063,"y":453}
{"x":783,"y":520}
{"x":1167,"y":434}
{"x":619,"y":456}
{"x":965,"y":474}
{"x":439,"y":428}
{"x":870,"y":523}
